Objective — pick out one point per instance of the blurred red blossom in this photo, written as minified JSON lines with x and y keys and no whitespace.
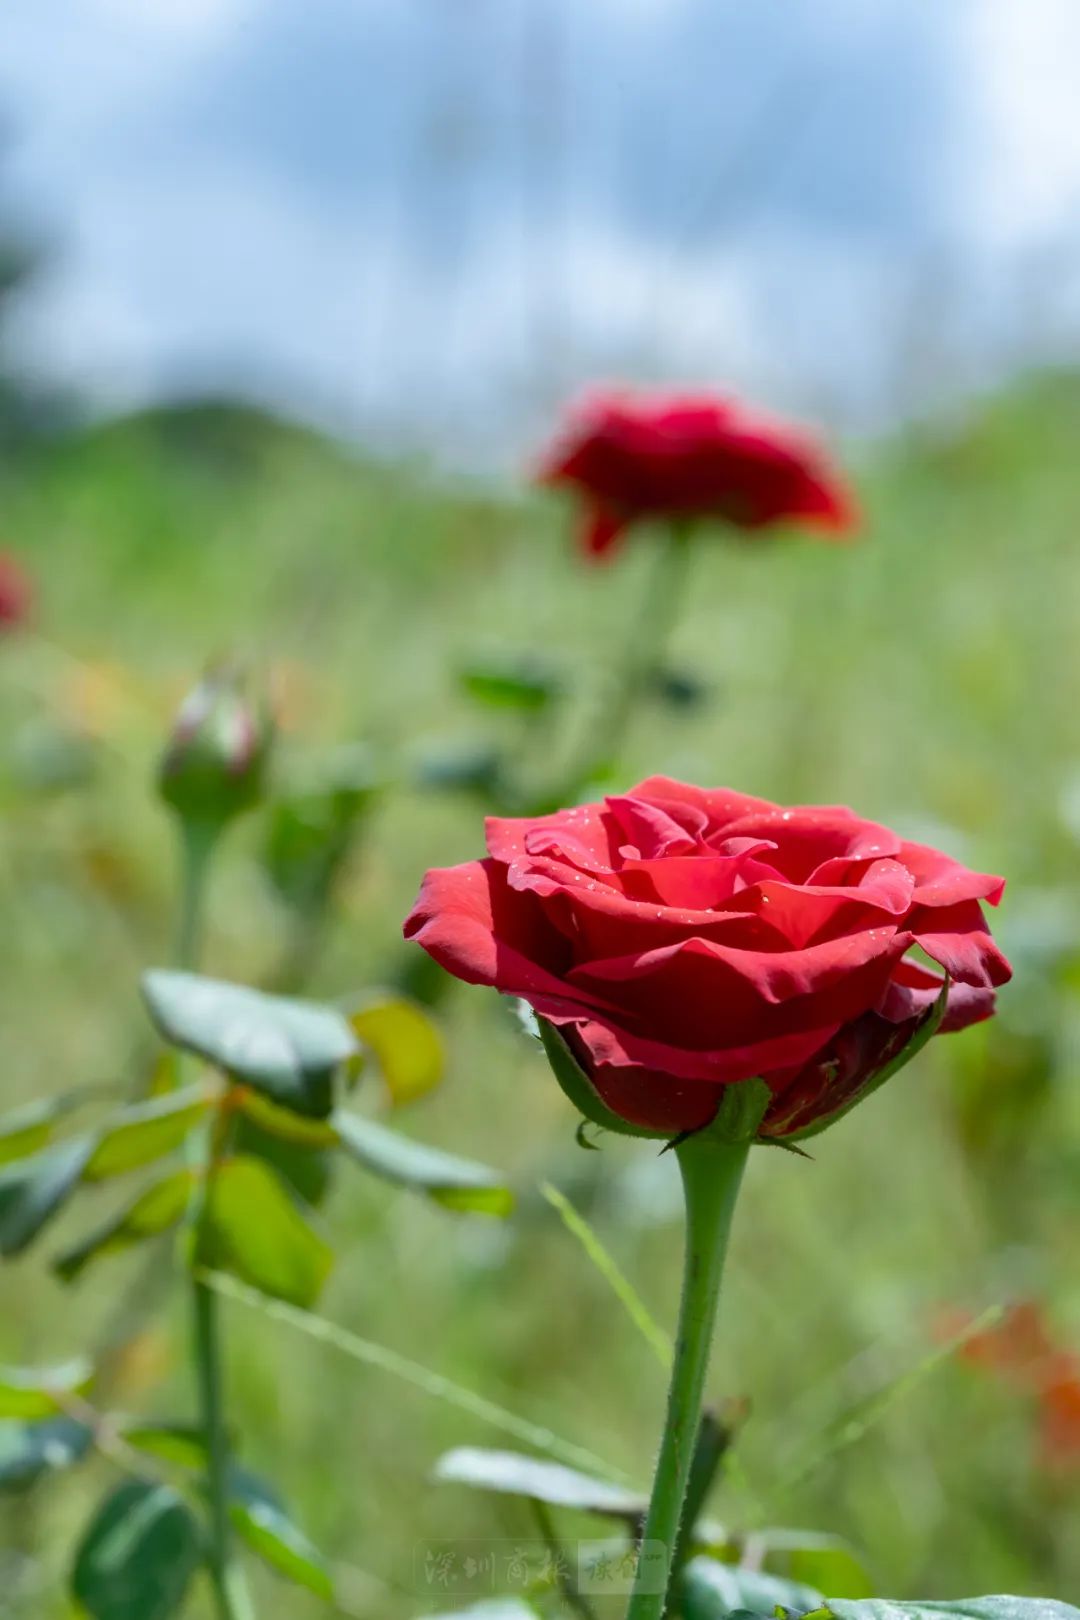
{"x":634,"y":456}
{"x":16,"y":593}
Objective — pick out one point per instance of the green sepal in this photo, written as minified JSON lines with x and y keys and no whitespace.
{"x":743,"y":1105}
{"x":582,"y":1093}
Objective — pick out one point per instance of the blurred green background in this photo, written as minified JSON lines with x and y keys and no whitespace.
{"x":926,"y":675}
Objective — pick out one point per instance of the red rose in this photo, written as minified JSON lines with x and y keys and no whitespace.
{"x":683,"y":939}
{"x":690,"y":456}
{"x":16,"y":593}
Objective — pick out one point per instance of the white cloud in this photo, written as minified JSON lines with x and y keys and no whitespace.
{"x":1024,"y":135}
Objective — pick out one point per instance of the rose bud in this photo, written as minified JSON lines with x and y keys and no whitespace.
{"x":677,"y":941}
{"x":679,"y":457}
{"x":214,"y":767}
{"x":16,"y":593}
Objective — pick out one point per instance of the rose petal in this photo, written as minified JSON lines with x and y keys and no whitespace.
{"x":957,"y":937}
{"x":612,"y":1046}
{"x":940,"y":881}
{"x":913,"y":989}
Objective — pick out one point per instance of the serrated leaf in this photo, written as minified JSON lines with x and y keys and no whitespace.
{"x":261,"y":1520}
{"x":710,"y":1590}
{"x":252,"y":1227}
{"x":37,"y":1392}
{"x":137,"y":1559}
{"x":146,"y":1131}
{"x":162,"y":1205}
{"x":33,"y":1190}
{"x":27,"y":1130}
{"x":28,"y":1451}
{"x":287,"y":1049}
{"x":405,"y":1043}
{"x":511,"y":1473}
{"x":456,"y":1183}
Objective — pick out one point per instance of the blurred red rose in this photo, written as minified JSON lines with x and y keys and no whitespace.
{"x":16,"y":593}
{"x":635,"y":456}
{"x":685,"y":939}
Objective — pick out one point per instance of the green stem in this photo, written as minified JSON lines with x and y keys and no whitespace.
{"x":560,"y":1564}
{"x":230,"y":1590}
{"x":712,"y":1171}
{"x":226,"y":1574}
{"x":648,"y":636}
{"x":197,"y":844}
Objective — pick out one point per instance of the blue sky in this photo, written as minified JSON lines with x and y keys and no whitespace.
{"x":426,"y":219}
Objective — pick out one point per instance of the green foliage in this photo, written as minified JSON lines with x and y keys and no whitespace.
{"x":146,"y":1131}
{"x":811,"y":1559}
{"x":527,"y":684}
{"x":261,"y":1520}
{"x":138,"y":1556}
{"x":492,"y":1609}
{"x":983,"y":1608}
{"x":182,"y":1444}
{"x":312,"y":828}
{"x":253,"y":1228}
{"x":27,"y":1130}
{"x":465,"y":767}
{"x":405,"y":1044}
{"x":709,"y":1590}
{"x":31,"y":1450}
{"x":39,"y":1392}
{"x":284,"y":1048}
{"x":455,"y":1183}
{"x":509,"y":1473}
{"x":154,"y":1211}
{"x":33,"y":1190}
